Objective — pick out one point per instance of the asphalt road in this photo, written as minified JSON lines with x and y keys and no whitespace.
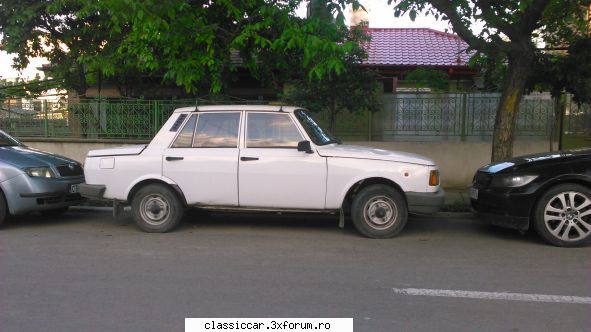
{"x":86,"y":271}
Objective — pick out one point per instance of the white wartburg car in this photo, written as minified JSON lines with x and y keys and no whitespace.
{"x":261,"y":158}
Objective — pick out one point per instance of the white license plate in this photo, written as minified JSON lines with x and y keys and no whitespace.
{"x":473,"y":193}
{"x":73,"y":189}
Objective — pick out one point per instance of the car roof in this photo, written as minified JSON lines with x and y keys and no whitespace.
{"x":218,"y":108}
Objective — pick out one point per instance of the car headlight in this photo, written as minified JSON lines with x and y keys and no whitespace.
{"x":512,"y":180}
{"x":42,"y":172}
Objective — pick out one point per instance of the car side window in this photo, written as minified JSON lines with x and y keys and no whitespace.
{"x":185,"y":137}
{"x":217,"y":130}
{"x":271,"y":130}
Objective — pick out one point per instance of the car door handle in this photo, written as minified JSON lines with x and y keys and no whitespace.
{"x":174,"y":158}
{"x":249,"y":158}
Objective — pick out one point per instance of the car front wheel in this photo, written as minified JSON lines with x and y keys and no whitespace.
{"x":563,"y":215}
{"x":379,"y":211}
{"x":156,"y":209}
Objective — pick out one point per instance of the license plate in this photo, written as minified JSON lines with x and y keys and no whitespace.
{"x":73,"y":189}
{"x":473,"y":193}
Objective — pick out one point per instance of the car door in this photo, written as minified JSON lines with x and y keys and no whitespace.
{"x":272,"y":172}
{"x":203,"y":159}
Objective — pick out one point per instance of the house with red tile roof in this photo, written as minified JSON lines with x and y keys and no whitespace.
{"x":393,"y":52}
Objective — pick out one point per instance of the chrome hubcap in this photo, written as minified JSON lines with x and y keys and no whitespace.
{"x":154,"y":209}
{"x":380,"y":212}
{"x":568,"y":216}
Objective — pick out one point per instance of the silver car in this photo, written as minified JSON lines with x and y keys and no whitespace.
{"x":32,"y":180}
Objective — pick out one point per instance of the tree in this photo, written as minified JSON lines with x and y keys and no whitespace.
{"x":53,"y":30}
{"x":192,"y":42}
{"x":188,"y":42}
{"x":355,"y":89}
{"x":568,"y":70}
{"x":509,"y":32}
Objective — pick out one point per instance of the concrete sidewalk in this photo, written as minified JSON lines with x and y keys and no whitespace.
{"x":457,"y":196}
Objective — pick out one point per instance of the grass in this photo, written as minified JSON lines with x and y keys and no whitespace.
{"x":575,"y":142}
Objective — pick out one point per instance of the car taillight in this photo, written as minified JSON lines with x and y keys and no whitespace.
{"x":434,"y":178}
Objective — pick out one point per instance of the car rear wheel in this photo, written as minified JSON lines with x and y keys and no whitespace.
{"x":156,"y":209}
{"x":3,"y":208}
{"x":379,"y":211}
{"x":563,"y":215}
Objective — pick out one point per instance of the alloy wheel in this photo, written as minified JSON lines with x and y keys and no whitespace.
{"x":567,"y":216}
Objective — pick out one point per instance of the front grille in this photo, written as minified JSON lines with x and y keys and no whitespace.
{"x":482,"y":179}
{"x":70,"y":170}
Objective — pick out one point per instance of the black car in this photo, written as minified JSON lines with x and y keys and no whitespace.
{"x":550,"y":192}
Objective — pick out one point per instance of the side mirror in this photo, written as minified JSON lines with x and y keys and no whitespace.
{"x":305,"y":146}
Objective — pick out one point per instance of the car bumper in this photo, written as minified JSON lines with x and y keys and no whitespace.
{"x":92,"y":191}
{"x":425,"y":203}
{"x":27,"y":194}
{"x":503,"y":207}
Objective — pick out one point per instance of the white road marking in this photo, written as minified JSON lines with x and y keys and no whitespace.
{"x":493,"y":295}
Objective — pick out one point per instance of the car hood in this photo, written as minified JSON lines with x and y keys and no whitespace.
{"x":362,"y":152}
{"x":22,"y":156}
{"x":538,"y":159}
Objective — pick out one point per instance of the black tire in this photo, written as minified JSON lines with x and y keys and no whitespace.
{"x":379,"y":211}
{"x":54,"y":212}
{"x":560,"y":225}
{"x":156,"y":209}
{"x":3,"y":208}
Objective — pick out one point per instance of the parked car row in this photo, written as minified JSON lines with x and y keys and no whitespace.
{"x":277,"y":158}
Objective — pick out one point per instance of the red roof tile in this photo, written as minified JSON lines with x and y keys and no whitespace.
{"x":415,"y":47}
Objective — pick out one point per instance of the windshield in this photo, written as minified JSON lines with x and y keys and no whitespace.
{"x":316,"y":133}
{"x":7,"y":140}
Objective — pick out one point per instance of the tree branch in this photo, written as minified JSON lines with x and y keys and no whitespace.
{"x":493,"y":18}
{"x":464,"y":32}
{"x":531,"y":17}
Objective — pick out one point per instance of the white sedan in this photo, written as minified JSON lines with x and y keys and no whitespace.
{"x":261,"y":158}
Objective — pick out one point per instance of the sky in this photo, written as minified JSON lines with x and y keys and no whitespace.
{"x":380,"y":16}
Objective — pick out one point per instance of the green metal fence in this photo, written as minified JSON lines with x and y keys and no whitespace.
{"x":442,"y":116}
{"x":120,"y":119}
{"x":421,"y":116}
{"x":576,"y":124}
{"x":87,"y":119}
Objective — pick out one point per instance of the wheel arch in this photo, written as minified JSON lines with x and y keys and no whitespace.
{"x":175,"y":188}
{"x":583,"y":181}
{"x":361,"y":184}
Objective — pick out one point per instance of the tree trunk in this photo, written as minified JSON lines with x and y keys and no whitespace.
{"x":332,"y":119}
{"x":520,"y":64}
{"x":81,"y":87}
